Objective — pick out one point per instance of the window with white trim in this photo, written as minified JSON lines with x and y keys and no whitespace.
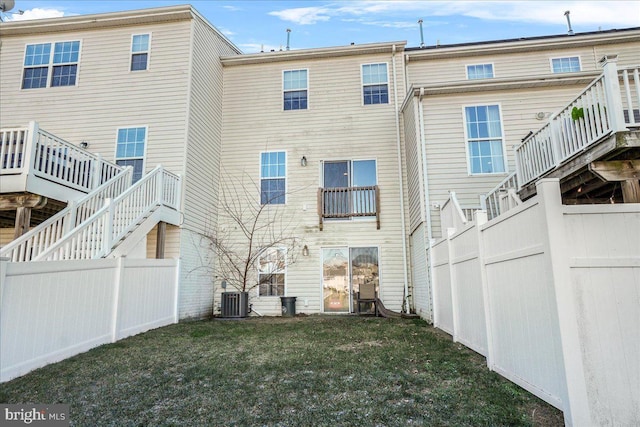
{"x":375,"y":84}
{"x":272,"y":272}
{"x":130,"y":147}
{"x":273,"y":177}
{"x":47,"y":67}
{"x":294,"y":86}
{"x":140,"y":52}
{"x":565,"y":65}
{"x":484,"y":139}
{"x":479,"y":71}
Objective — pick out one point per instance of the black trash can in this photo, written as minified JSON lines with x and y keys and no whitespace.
{"x":288,"y":306}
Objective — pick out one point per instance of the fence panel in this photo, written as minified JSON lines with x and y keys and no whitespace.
{"x":605,"y":281}
{"x":50,"y":311}
{"x":523,"y":317}
{"x":467,"y":290}
{"x":442,"y":304}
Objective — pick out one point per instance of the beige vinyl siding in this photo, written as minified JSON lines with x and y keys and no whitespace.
{"x":202,"y":164}
{"x":205,"y":126}
{"x":171,"y":244}
{"x":419,"y":273}
{"x":336,"y":126}
{"x":413,"y":161}
{"x":521,"y":64}
{"x":107,"y":95}
{"x":445,"y":139}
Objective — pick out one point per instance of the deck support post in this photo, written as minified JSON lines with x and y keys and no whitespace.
{"x":161,"y":239}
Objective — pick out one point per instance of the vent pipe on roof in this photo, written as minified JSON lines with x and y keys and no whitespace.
{"x":288,"y":37}
{"x":421,"y":33}
{"x":570,"y":32}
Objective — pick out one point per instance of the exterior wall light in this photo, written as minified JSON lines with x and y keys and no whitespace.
{"x":305,"y":250}
{"x":303,"y":161}
{"x":84,"y":145}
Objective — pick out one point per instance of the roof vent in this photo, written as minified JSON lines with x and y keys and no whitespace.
{"x":421,"y":33}
{"x":570,"y":31}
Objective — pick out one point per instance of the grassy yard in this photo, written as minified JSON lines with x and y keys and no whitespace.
{"x":317,"y":370}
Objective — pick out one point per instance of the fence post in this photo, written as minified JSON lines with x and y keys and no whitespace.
{"x":452,"y":285}
{"x":612,"y":93}
{"x":481,"y":218}
{"x":576,"y":408}
{"x":117,"y":300}
{"x":176,"y":307}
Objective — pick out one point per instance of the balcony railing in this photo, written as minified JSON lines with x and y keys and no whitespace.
{"x":610,"y":104}
{"x":349,"y":202}
{"x":33,"y":151}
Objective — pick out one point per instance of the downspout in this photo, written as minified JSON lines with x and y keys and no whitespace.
{"x":402,"y":213}
{"x":427,"y":202}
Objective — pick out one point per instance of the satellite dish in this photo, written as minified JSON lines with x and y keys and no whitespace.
{"x":7,"y":5}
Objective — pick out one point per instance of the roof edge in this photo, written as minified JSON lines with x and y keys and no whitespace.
{"x":313,"y":53}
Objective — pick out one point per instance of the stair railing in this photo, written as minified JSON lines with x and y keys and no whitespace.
{"x":39,"y":239}
{"x":97,"y":236}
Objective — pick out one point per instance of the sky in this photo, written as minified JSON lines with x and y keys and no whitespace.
{"x":262,"y":25}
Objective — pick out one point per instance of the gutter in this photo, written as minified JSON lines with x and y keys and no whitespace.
{"x":402,"y":211}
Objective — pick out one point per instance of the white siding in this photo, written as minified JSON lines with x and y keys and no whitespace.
{"x":422,"y":295}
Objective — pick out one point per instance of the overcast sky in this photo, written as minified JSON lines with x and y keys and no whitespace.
{"x":253,"y":25}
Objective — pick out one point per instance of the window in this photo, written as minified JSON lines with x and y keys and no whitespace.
{"x":375,"y":88}
{"x":484,"y":139}
{"x":44,"y":66}
{"x":139,"y":52}
{"x":130,"y":149}
{"x":565,"y":65}
{"x":294,"y":84}
{"x":480,"y":71}
{"x":272,"y":271}
{"x":273,"y":177}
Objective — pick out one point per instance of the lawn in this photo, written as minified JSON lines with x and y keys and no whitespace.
{"x":303,"y":371}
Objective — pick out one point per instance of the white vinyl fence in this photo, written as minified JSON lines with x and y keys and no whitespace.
{"x":50,"y":311}
{"x":550,"y":294}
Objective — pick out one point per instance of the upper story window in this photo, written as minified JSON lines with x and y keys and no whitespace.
{"x":140,"y":52}
{"x":484,"y":139}
{"x":480,"y":71}
{"x":375,"y":84}
{"x":565,"y":65}
{"x":130,"y":147}
{"x":273,"y":177}
{"x":45,"y":66}
{"x":294,"y":85}
{"x":272,"y":272}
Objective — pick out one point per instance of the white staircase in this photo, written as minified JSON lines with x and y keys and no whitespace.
{"x":103,"y":223}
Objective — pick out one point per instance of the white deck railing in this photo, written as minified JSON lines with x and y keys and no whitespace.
{"x":33,"y":150}
{"x":608,"y":105}
{"x":39,"y":239}
{"x":494,"y":200}
{"x":97,"y":236}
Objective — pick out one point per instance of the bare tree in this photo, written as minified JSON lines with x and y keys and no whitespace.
{"x":251,"y":235}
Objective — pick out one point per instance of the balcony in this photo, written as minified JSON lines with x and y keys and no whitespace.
{"x":348,"y":203}
{"x":592,"y":145}
{"x":42,"y":172}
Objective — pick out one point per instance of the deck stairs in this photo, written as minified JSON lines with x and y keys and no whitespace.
{"x":110,"y":217}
